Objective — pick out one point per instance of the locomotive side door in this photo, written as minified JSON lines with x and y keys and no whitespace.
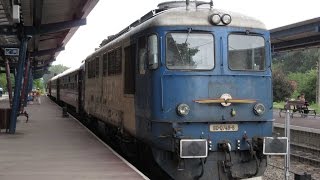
{"x":142,"y":104}
{"x":147,"y":60}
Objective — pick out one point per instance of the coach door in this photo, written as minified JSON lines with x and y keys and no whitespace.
{"x":129,"y":87}
{"x":80,"y":82}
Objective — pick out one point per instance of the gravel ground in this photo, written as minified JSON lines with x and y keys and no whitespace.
{"x":275,"y":169}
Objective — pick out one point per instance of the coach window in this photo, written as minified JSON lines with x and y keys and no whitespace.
{"x":129,"y":72}
{"x":190,"y":51}
{"x":153,"y":52}
{"x":142,"y":54}
{"x":105,"y":64}
{"x":93,"y":74}
{"x":246,"y":52}
{"x":97,"y":66}
{"x":87,"y":70}
{"x":114,"y":62}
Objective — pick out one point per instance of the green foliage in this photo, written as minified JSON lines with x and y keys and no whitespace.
{"x":38,"y":83}
{"x":307,"y":83}
{"x":297,"y":61}
{"x":282,"y":87}
{"x":3,"y":81}
{"x":299,"y":67}
{"x":315,"y":107}
{"x":54,"y":70}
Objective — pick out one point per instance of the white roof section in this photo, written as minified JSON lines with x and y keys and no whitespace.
{"x":200,"y":17}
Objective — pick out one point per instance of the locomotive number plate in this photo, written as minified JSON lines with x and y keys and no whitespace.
{"x":223,"y":127}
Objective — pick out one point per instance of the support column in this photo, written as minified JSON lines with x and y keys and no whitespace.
{"x":287,"y":134}
{"x":9,"y":86}
{"x":30,"y":79}
{"x":24,"y":93}
{"x":318,"y":83}
{"x":17,"y":89}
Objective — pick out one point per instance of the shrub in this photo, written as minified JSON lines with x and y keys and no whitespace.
{"x":282,"y":87}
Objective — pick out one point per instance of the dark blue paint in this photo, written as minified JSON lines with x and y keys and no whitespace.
{"x":159,"y":91}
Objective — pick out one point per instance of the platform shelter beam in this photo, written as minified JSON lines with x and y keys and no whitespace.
{"x":17,"y":89}
{"x":54,"y":27}
{"x":44,"y":28}
{"x":47,"y":51}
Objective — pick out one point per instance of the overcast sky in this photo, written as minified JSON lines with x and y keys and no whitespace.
{"x":111,"y":16}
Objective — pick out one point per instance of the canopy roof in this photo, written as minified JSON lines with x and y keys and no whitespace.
{"x":305,"y":34}
{"x":51,"y":23}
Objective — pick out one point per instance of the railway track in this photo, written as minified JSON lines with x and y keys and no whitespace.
{"x":304,"y":146}
{"x":305,"y":154}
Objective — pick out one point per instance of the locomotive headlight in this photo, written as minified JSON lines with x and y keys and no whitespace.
{"x":215,"y":18}
{"x":226,"y":19}
{"x":259,"y":109}
{"x":183,"y":109}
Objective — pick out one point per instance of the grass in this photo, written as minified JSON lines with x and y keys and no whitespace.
{"x":278,"y":105}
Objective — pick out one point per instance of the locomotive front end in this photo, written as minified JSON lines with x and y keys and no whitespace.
{"x":212,"y":102}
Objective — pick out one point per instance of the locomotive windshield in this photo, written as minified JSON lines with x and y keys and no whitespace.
{"x":190,"y":51}
{"x":246,"y":52}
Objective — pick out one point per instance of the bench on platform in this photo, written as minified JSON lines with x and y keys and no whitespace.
{"x":299,"y":107}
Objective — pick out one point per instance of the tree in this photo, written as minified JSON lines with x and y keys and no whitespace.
{"x":54,"y":70}
{"x":307,"y":83}
{"x":297,"y":61}
{"x":38,"y":83}
{"x":3,"y":81}
{"x":282,"y":87}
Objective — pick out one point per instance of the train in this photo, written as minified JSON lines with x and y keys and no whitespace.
{"x":187,"y":81}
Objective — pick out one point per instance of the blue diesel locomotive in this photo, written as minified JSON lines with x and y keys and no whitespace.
{"x":188,"y":81}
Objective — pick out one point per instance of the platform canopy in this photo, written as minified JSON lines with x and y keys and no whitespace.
{"x":49,"y":23}
{"x":305,"y":34}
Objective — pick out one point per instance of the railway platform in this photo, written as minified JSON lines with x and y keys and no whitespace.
{"x":303,"y":122}
{"x":52,"y":147}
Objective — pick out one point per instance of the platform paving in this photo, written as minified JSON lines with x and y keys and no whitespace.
{"x":50,"y":147}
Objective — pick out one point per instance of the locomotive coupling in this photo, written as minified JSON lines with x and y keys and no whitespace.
{"x":224,"y":146}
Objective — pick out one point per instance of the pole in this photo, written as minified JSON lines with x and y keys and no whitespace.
{"x":287,"y":134}
{"x":318,"y":82}
{"x":30,"y":79}
{"x":17,"y":88}
{"x":9,"y":86}
{"x":24,"y":92}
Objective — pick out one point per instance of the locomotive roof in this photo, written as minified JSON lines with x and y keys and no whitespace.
{"x":180,"y":16}
{"x":200,"y":17}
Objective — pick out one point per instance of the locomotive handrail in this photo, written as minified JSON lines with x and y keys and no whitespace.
{"x":220,"y":100}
